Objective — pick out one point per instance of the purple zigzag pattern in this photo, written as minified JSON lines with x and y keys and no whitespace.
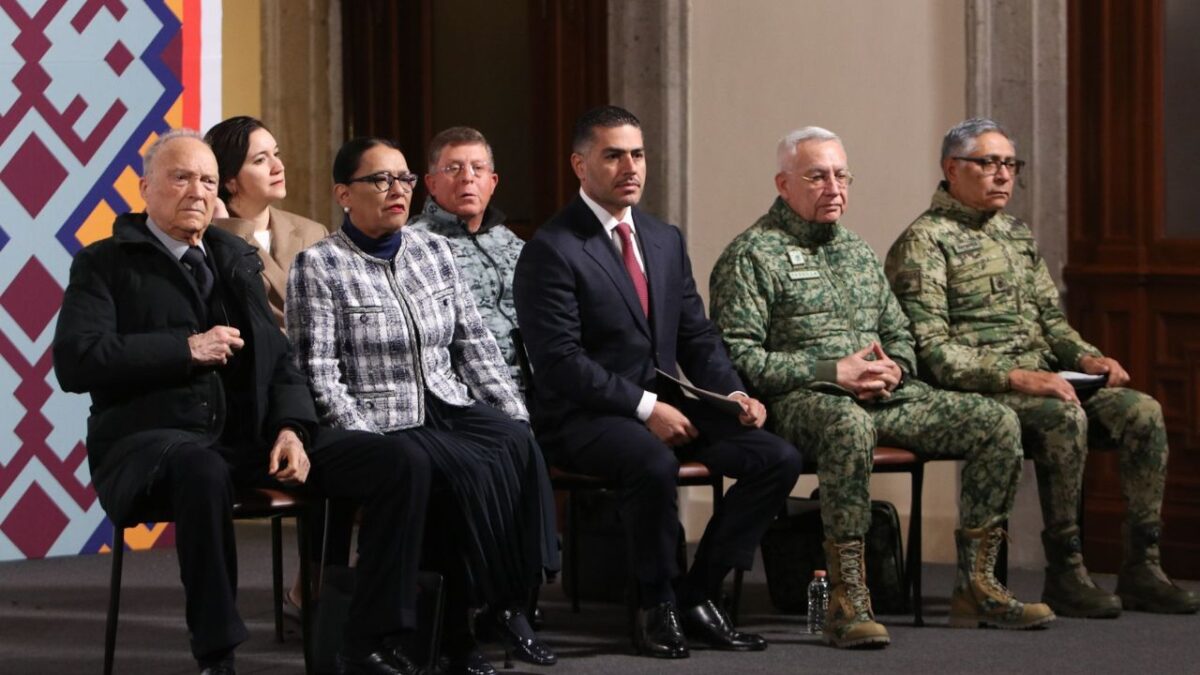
{"x":32,"y":80}
{"x":162,"y":58}
{"x":167,"y":39}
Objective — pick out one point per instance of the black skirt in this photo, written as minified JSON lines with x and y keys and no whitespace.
{"x":497,"y":477}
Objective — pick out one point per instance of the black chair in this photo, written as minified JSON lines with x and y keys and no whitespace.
{"x":249,"y":503}
{"x":690,"y":474}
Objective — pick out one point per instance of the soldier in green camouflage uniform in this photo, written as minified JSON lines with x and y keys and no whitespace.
{"x":460,"y":181}
{"x":986,"y":317}
{"x":810,"y":322}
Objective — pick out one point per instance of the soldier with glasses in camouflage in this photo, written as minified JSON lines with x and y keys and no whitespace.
{"x":986,"y":317}
{"x":811,"y":324}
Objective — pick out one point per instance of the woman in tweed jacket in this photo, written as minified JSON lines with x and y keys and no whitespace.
{"x":388,"y":333}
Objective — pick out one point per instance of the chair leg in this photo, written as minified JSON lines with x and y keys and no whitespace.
{"x":277,"y":573}
{"x":114,"y":598}
{"x":306,"y":601}
{"x":914,"y":544}
{"x":573,"y":548}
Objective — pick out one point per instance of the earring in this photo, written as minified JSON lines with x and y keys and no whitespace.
{"x":345,"y":209}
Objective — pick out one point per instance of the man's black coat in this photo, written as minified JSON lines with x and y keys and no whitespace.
{"x":122,"y":336}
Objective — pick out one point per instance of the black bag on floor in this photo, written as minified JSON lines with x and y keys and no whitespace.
{"x":792,"y":550}
{"x":333,"y":608}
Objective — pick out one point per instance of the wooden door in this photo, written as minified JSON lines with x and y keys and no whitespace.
{"x":1133,"y":274}
{"x":394,"y":49}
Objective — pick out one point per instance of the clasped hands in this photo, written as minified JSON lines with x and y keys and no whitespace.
{"x":867,"y":379}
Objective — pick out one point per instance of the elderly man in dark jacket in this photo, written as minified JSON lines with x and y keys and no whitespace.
{"x":194,"y":391}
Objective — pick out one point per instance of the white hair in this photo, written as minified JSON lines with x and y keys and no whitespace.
{"x":161,"y":141}
{"x":786,"y":149}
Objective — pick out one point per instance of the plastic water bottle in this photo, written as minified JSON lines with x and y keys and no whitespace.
{"x":818,"y":601}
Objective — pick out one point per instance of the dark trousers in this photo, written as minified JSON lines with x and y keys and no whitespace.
{"x":388,"y":476}
{"x":647,"y":471}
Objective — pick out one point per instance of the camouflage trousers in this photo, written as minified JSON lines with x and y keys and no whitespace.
{"x":1056,"y":435}
{"x":844,"y":432}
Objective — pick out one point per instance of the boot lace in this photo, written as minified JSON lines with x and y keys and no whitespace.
{"x":851,"y":554}
{"x":991,"y":551}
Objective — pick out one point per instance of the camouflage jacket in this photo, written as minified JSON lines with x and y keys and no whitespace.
{"x":486,"y":260}
{"x":792,"y":297}
{"x":980,"y":298}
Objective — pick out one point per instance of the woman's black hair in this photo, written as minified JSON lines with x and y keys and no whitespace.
{"x":230,"y":141}
{"x":349,"y":156}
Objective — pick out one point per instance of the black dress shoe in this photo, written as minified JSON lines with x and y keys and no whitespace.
{"x":375,"y":663}
{"x":513,"y":629}
{"x":472,"y":663}
{"x":656,"y":632}
{"x":708,"y":623}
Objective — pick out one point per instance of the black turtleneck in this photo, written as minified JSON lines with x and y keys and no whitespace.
{"x":384,"y":248}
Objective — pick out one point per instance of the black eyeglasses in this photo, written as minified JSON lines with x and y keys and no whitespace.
{"x":382,"y":181}
{"x":991,"y":165}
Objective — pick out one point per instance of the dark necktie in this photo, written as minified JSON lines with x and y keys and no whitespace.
{"x":631,"y":265}
{"x":193,"y":259}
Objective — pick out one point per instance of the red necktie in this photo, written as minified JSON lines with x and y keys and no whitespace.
{"x":631,"y":265}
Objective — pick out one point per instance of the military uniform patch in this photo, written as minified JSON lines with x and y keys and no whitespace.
{"x":799,"y":275}
{"x":796,"y":257}
{"x":907,"y":283}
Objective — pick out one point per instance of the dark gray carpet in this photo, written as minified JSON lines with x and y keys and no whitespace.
{"x":52,"y":621}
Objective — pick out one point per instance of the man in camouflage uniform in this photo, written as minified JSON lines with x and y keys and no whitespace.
{"x":811,"y":324}
{"x":462,"y":176}
{"x":986,"y":317}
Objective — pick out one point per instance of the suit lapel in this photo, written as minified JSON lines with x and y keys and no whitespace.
{"x":600,"y":248}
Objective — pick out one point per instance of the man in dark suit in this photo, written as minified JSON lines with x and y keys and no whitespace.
{"x":166,"y":325}
{"x":605,"y":296}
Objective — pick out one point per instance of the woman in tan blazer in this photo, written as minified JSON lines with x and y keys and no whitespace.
{"x":251,"y":179}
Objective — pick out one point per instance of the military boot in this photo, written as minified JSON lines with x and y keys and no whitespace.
{"x":1068,"y":589}
{"x":979,"y":598}
{"x":1142,"y":584}
{"x":849,"y":621}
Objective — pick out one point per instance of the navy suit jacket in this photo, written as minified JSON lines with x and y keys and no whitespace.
{"x":592,"y":349}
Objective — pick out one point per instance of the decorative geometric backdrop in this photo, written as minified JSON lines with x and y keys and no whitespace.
{"x":85,"y":85}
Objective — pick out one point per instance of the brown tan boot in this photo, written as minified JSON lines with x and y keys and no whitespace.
{"x":979,"y":599}
{"x":849,"y":621}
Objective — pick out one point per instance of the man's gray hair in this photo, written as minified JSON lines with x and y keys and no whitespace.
{"x":787,"y":145}
{"x":152,"y":151}
{"x":960,"y":140}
